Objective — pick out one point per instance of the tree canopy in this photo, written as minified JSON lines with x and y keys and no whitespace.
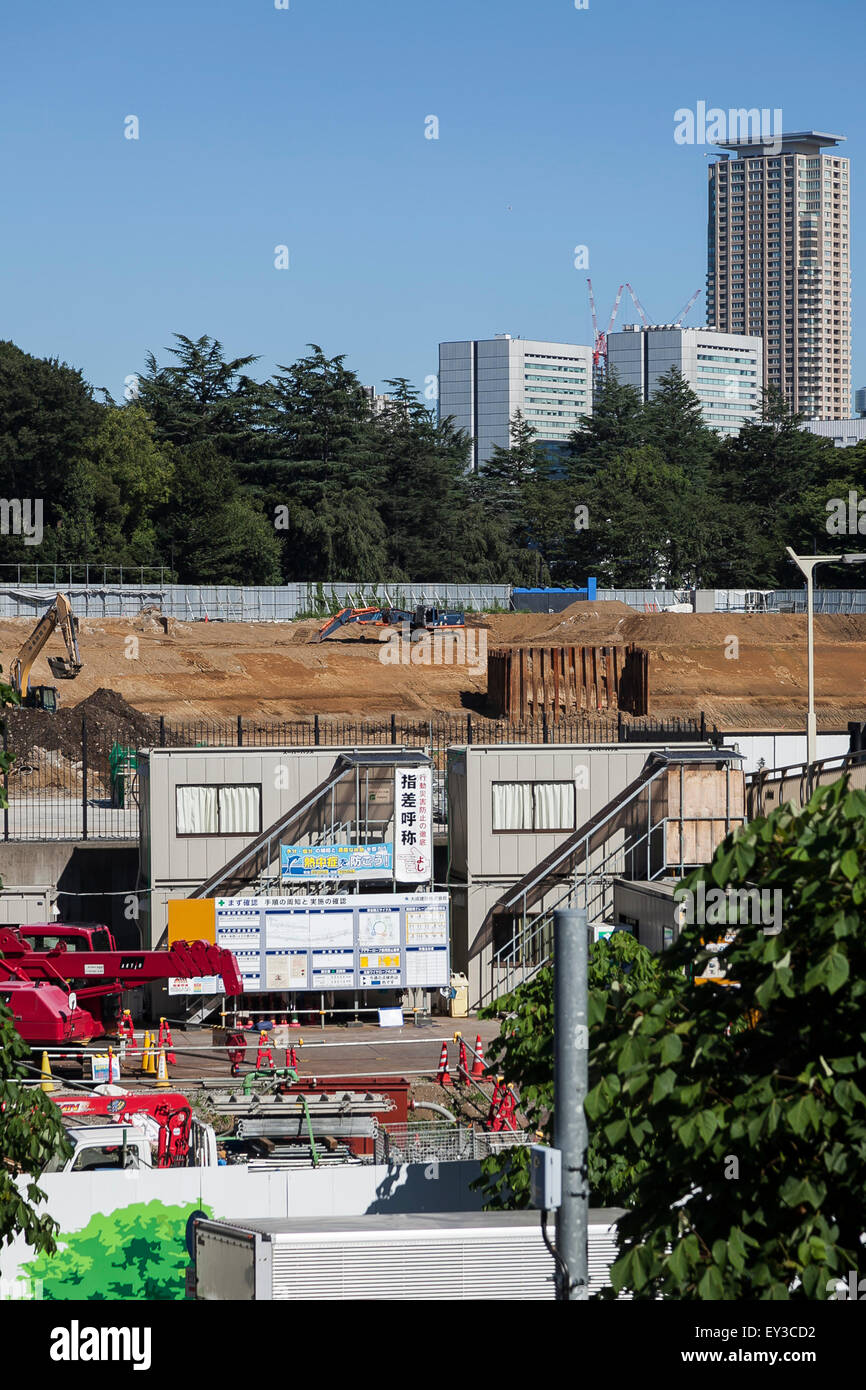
{"x":304,"y":479}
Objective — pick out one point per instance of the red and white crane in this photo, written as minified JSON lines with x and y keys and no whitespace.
{"x":599,"y":340}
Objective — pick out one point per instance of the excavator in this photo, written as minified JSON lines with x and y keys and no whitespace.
{"x":62,"y":668}
{"x":419,"y":621}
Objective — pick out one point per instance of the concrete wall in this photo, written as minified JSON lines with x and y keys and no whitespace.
{"x":95,"y":882}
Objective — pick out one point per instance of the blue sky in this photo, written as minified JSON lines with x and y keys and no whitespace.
{"x":306,"y":128}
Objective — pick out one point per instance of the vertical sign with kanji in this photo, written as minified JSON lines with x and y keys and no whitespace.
{"x":413,"y":825}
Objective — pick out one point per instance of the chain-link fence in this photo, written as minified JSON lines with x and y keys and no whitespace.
{"x":440,"y":1142}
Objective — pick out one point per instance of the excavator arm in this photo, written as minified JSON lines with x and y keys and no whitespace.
{"x":63,"y":668}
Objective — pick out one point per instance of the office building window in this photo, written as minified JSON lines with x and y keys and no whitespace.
{"x":221,"y":810}
{"x":532,"y":806}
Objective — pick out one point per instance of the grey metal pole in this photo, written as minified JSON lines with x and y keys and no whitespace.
{"x":811,"y":721}
{"x":571,"y":1041}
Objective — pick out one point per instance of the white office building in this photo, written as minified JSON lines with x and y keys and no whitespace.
{"x":725,"y":370}
{"x":482,"y":382}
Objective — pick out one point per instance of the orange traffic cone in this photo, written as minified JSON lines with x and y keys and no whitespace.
{"x":478,"y":1064}
{"x":442,"y":1076}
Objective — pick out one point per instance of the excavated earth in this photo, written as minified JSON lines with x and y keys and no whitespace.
{"x":743,"y":670}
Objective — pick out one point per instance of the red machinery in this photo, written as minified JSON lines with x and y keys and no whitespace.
{"x":47,"y":970}
{"x":169,"y":1110}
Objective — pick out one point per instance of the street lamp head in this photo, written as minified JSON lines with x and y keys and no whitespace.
{"x":853,"y":559}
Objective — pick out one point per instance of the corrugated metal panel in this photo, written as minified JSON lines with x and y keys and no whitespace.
{"x":242,"y":603}
{"x":449,"y":1266}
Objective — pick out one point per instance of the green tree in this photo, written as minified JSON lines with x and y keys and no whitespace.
{"x":134,"y":1252}
{"x":425,"y":489}
{"x":218,"y":534}
{"x":515,"y":487}
{"x":203,"y":397}
{"x":47,"y":415}
{"x":766,"y":476}
{"x":31,"y":1129}
{"x":751,"y":1089}
{"x":618,"y":967}
{"x":117,"y":490}
{"x":322,"y":463}
{"x":674,"y":425}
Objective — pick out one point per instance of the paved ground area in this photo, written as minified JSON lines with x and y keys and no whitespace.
{"x":363,"y":1049}
{"x":358,"y":1050}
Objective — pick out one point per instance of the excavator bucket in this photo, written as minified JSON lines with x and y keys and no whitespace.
{"x":62,"y":669}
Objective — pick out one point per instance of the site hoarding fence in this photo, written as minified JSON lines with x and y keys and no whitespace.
{"x":90,"y":791}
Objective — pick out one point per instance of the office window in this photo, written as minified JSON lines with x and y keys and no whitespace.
{"x":532,"y":806}
{"x":222,"y":810}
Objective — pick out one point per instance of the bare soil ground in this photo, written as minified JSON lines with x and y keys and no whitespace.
{"x":743,"y":670}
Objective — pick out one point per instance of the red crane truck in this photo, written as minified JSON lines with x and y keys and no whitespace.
{"x":64,"y":984}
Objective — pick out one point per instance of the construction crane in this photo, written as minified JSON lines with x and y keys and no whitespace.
{"x":599,"y":340}
{"x":62,"y":668}
{"x":678,"y":321}
{"x":637,"y":304}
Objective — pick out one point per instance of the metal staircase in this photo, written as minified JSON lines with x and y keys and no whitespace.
{"x":628,"y":838}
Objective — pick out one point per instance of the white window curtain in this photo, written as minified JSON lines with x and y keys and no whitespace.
{"x":554,"y":805}
{"x":239,"y":810}
{"x":197,"y":811}
{"x":512,"y":806}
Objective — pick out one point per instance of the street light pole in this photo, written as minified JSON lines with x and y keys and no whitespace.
{"x":806,"y":564}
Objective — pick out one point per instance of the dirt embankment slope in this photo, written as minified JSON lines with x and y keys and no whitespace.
{"x":743,"y":670}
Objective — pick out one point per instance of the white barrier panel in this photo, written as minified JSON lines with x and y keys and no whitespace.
{"x":122,"y":1235}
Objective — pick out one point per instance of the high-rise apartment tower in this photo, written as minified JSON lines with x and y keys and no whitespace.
{"x":779,"y":263}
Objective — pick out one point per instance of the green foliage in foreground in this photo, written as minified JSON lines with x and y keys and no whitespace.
{"x":134,"y":1252}
{"x":618,"y":967}
{"x":738,"y":1111}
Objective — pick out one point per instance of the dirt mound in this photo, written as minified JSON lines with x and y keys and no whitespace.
{"x":32,"y":733}
{"x":588,"y":624}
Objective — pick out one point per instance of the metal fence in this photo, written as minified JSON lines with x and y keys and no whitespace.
{"x":72,"y":792}
{"x":440,"y":1142}
{"x":28,"y":595}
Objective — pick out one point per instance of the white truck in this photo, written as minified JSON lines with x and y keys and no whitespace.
{"x":447,"y":1256}
{"x":114,"y":1129}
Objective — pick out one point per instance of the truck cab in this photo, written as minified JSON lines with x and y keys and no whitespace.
{"x":99,"y":1148}
{"x":70,"y":936}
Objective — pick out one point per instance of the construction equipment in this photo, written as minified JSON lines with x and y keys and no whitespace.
{"x":159,"y":1131}
{"x":599,"y":340}
{"x":420,"y":620}
{"x":637,"y":304}
{"x":62,"y":668}
{"x":48,"y":970}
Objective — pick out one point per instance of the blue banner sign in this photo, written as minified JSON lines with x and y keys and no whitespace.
{"x":336,"y":861}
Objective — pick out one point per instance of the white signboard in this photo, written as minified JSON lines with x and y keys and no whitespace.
{"x":413,"y":824}
{"x":345,"y":941}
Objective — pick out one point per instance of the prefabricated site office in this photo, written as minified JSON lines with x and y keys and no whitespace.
{"x":293,"y":840}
